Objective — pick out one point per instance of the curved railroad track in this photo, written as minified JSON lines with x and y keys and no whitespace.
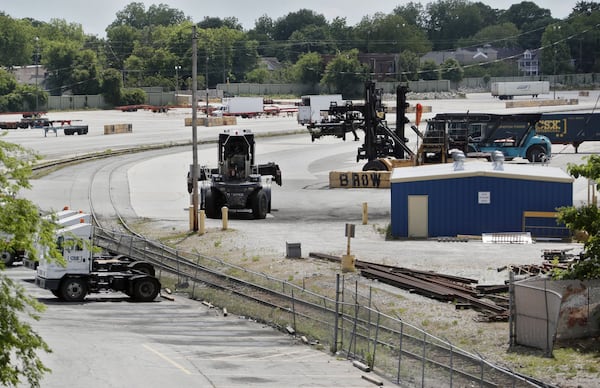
{"x":111,"y":212}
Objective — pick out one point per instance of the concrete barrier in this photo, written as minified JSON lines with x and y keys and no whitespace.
{"x":531,"y":103}
{"x":111,"y":129}
{"x":212,"y":121}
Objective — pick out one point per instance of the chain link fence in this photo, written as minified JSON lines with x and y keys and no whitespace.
{"x":347,"y":324}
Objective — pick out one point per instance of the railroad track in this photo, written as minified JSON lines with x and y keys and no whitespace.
{"x":114,"y":234}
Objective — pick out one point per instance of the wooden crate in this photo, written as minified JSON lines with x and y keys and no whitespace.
{"x":110,"y":129}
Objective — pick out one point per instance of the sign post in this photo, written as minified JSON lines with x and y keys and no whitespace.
{"x":348,"y":259}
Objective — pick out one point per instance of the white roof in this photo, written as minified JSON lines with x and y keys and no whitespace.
{"x":477,"y":168}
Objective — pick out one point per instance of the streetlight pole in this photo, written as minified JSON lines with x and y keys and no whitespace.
{"x":177,"y":68}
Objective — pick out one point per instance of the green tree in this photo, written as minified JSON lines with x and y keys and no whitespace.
{"x":263,"y":32}
{"x":16,"y":42}
{"x":16,"y":97}
{"x":451,"y":70}
{"x":133,"y":97}
{"x":498,"y":36}
{"x":20,"y":345}
{"x":530,"y":19}
{"x":408,"y":66}
{"x":260,"y":75}
{"x":85,"y":78}
{"x":585,"y":219}
{"x":310,"y":39}
{"x":383,"y":33}
{"x":120,"y":41}
{"x":584,"y":45}
{"x":450,"y":20}
{"x":556,"y":56}
{"x":309,"y":68}
{"x":345,"y":74}
{"x":293,"y":21}
{"x":429,"y":71}
{"x":215,"y":22}
{"x":112,"y":82}
{"x":413,"y":13}
{"x":59,"y":58}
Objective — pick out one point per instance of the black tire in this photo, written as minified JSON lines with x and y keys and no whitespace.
{"x":211,"y":205}
{"x":375,"y":165}
{"x":142,"y":267}
{"x":7,"y":258}
{"x":146,"y":289}
{"x":56,"y":293}
{"x":73,"y":289}
{"x":536,"y":154}
{"x":260,"y":205}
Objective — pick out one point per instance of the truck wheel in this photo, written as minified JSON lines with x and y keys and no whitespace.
{"x":536,"y":154}
{"x":7,"y":258}
{"x":260,"y":205}
{"x":73,"y":289}
{"x":146,"y":289}
{"x":211,"y":205}
{"x":56,"y":293}
{"x":143,"y":267}
{"x":375,"y":165}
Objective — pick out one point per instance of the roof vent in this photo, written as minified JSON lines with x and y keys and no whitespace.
{"x":459,"y":160}
{"x":498,"y":160}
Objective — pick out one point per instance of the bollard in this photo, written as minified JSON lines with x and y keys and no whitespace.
{"x":224,"y":215}
{"x":365,"y":213}
{"x":202,"y":223}
{"x":191,"y":216}
{"x":348,"y":263}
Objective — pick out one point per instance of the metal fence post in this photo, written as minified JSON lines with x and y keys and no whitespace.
{"x":293,"y":311}
{"x":400,"y":352}
{"x":337,"y":313}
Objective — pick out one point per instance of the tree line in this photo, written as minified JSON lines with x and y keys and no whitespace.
{"x":152,"y":47}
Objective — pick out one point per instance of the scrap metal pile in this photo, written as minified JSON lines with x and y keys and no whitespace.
{"x":491,"y":301}
{"x":464,"y":292}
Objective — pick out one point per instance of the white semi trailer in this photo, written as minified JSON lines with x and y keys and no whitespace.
{"x":313,"y":108}
{"x":508,"y":90}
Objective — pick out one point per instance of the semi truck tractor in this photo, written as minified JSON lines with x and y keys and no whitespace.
{"x":84,"y":273}
{"x":508,"y":90}
{"x":237,"y":183}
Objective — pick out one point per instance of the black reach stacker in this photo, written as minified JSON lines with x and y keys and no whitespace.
{"x":382,"y":145}
{"x":237,"y":183}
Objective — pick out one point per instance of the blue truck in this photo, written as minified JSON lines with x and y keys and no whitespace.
{"x":480,"y":134}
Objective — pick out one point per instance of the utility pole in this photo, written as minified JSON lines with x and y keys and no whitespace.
{"x":37,"y":60}
{"x":194,"y":130}
{"x":206,"y":82}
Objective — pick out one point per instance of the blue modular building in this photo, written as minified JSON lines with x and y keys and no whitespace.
{"x":474,"y":197}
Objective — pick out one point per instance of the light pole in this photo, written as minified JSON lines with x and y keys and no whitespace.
{"x":37,"y":60}
{"x":177,"y":68}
